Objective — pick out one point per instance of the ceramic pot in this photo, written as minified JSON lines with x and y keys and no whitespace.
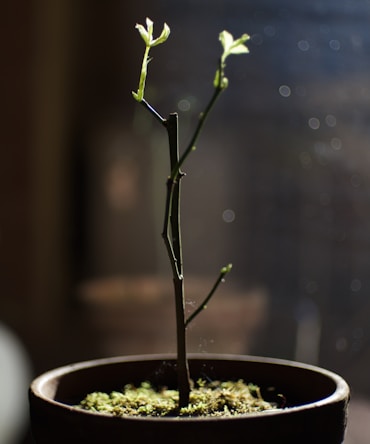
{"x":316,"y":409}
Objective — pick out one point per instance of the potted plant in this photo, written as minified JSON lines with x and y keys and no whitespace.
{"x":309,"y":404}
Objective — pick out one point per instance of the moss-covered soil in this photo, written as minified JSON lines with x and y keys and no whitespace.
{"x":206,"y":399}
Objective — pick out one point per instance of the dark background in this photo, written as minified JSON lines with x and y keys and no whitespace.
{"x":287,"y":150}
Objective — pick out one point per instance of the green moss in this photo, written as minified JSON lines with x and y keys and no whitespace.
{"x":206,"y":399}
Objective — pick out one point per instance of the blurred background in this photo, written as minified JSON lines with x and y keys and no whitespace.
{"x":279,"y":186}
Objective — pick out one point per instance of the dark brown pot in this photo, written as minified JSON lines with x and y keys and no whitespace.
{"x":317,"y":401}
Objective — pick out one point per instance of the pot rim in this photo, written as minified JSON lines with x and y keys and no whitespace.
{"x":340,"y":393}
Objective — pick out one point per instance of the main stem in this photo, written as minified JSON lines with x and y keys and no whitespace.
{"x":175,"y":249}
{"x":172,"y":236}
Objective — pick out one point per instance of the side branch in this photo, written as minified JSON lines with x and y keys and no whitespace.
{"x":202,"y":119}
{"x":203,"y":305}
{"x":153,"y":111}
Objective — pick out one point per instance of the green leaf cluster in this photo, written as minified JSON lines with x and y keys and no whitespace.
{"x":230,"y":46}
{"x":150,"y":42}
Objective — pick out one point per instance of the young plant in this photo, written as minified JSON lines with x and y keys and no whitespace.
{"x":171,"y":232}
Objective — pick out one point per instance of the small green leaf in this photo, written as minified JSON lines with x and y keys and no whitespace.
{"x":163,"y":37}
{"x":149,"y":27}
{"x":143,"y":32}
{"x":226,"y":40}
{"x":230,"y":46}
{"x":239,"y":49}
